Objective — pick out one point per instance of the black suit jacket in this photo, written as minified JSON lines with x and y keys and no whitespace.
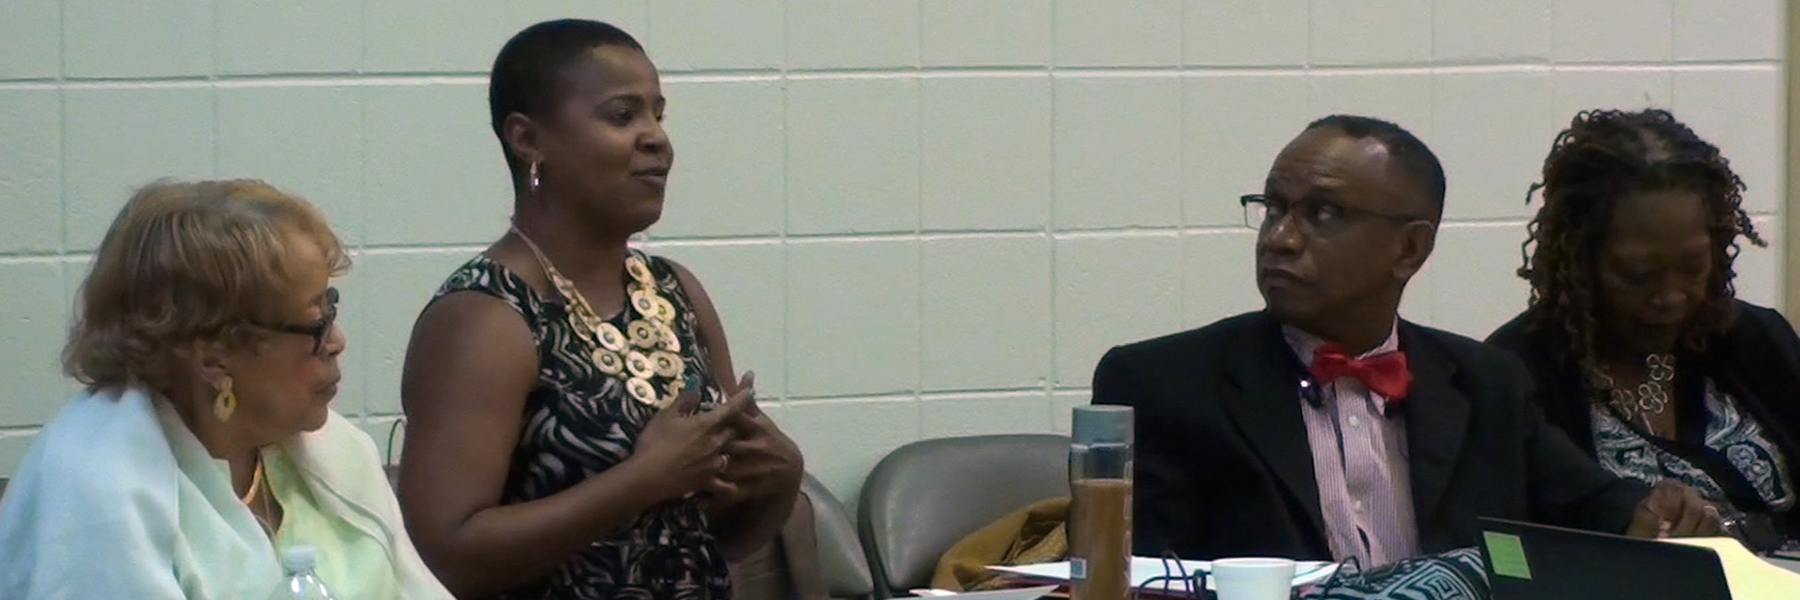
{"x":1757,"y":362}
{"x":1224,"y":469}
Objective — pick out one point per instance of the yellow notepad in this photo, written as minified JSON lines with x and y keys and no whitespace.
{"x":1750,"y":577}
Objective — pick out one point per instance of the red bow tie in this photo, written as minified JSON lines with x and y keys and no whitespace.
{"x":1386,"y":374}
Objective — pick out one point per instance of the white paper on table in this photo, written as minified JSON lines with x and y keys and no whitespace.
{"x":1032,"y":593}
{"x":1749,"y":576}
{"x":1144,"y":569}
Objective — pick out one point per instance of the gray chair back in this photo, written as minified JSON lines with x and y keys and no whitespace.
{"x":810,"y":559}
{"x":841,"y":556}
{"x":928,"y":495}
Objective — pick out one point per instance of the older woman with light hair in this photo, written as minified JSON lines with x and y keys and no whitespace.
{"x":204,"y":445}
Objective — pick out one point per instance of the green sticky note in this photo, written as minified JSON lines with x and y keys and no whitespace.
{"x":1507,"y":555}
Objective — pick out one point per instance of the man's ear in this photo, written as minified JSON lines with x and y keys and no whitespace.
{"x":1416,"y":243}
{"x":521,"y":135}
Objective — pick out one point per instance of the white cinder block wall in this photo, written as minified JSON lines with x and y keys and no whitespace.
{"x":919,"y":218}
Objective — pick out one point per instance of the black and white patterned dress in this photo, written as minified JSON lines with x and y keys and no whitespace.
{"x":579,"y":421}
{"x":1729,"y":430}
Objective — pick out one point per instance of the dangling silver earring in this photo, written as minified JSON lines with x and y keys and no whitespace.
{"x":534,"y":179}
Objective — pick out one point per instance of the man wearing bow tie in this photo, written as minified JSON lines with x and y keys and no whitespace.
{"x":1325,"y":427}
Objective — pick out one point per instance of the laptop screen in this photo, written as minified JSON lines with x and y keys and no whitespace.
{"x":1538,"y":562}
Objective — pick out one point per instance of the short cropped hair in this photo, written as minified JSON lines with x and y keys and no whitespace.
{"x":528,"y":75}
{"x":187,"y":262}
{"x":1415,"y":161}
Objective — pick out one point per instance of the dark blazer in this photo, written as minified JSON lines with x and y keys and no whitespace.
{"x":1757,"y":362}
{"x":1224,"y":469}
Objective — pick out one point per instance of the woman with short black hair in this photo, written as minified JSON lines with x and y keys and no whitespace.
{"x":575,"y":428}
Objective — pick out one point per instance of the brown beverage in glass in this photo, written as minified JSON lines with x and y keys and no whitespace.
{"x":1100,"y":503}
{"x":1100,"y":535}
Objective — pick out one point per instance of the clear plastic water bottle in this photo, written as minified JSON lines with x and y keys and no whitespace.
{"x":302,"y":583}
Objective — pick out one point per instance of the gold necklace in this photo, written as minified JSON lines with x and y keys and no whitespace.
{"x":646,"y":354}
{"x":257,"y":499}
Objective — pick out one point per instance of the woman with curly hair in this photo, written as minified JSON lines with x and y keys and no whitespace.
{"x":203,"y":452}
{"x":1639,"y":347}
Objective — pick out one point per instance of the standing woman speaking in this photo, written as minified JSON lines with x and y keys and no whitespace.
{"x":575,"y":428}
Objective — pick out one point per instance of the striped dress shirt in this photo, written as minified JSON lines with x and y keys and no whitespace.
{"x":1360,"y":463}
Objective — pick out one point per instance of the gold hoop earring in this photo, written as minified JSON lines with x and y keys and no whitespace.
{"x":534,"y":178}
{"x":225,"y":403}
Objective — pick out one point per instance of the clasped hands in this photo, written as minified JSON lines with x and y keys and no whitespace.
{"x":734,"y":452}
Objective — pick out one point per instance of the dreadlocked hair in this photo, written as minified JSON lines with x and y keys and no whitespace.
{"x":1601,"y":159}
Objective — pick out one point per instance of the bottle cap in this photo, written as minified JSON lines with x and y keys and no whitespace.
{"x":1101,"y":424}
{"x":299,"y":559}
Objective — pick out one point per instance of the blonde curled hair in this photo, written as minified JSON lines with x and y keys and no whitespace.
{"x":188,"y":262}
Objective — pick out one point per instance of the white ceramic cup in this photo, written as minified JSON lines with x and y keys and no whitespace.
{"x":1253,"y":578}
